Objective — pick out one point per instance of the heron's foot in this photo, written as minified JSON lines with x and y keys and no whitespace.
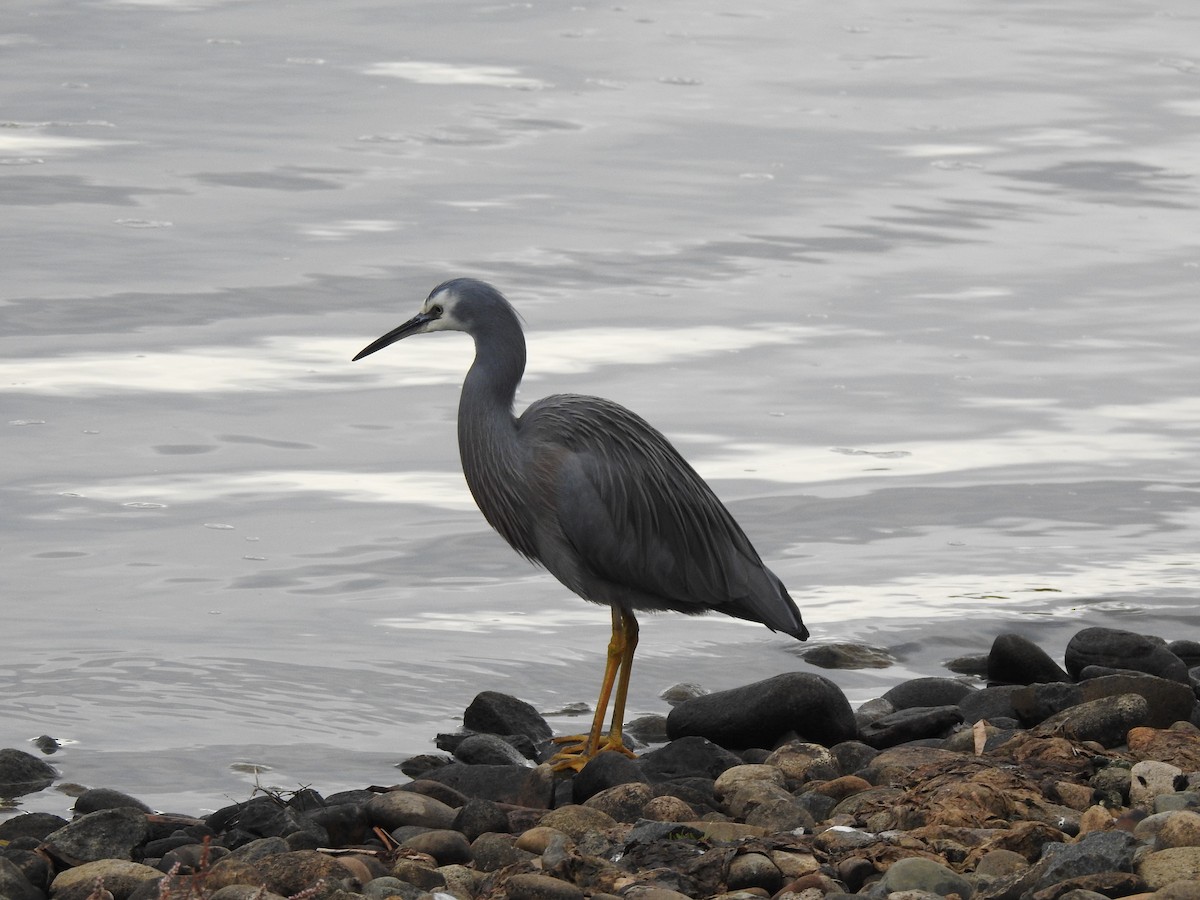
{"x":574,"y":754}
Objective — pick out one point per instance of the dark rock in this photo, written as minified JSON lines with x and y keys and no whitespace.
{"x":894,"y":764}
{"x":106,"y":798}
{"x":34,"y":824}
{"x":818,"y":804}
{"x":36,"y":867}
{"x":1118,"y":649}
{"x":912,"y":724}
{"x":1167,"y":701}
{"x":623,"y":802}
{"x":1094,"y":853}
{"x":649,"y":833}
{"x":852,"y":755}
{"x":417,"y":766}
{"x":1015,"y":659}
{"x":253,"y":851}
{"x":435,"y":789}
{"x":263,"y":816}
{"x":603,"y":771}
{"x":488,"y":750}
{"x":23,"y":773}
{"x":14,"y":885}
{"x":388,"y":886}
{"x":753,"y":870}
{"x":518,"y":785}
{"x":105,"y":834}
{"x":649,"y":729}
{"x":478,"y":816}
{"x":784,"y":814}
{"x":1188,"y":651}
{"x":1104,"y":721}
{"x":495,"y":713}
{"x":687,"y":757}
{"x":1037,"y":702}
{"x":989,"y":703}
{"x":491,"y":852}
{"x":931,"y":691}
{"x":760,"y":714}
{"x":970,"y":664}
{"x":344,"y":823}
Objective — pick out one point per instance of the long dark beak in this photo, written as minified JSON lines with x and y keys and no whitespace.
{"x":412,"y":326}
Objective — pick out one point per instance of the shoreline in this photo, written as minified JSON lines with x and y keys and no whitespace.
{"x":1084,"y":778}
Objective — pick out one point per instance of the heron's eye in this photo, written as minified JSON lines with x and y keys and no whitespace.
{"x":436,"y":310}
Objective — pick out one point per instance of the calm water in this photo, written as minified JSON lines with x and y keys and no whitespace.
{"x":914,"y":284}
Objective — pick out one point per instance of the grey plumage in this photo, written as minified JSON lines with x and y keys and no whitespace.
{"x":590,"y":490}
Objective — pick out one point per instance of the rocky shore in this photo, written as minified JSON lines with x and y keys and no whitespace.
{"x":1071,"y":782}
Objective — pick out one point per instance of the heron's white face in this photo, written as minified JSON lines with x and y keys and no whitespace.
{"x":438,"y":309}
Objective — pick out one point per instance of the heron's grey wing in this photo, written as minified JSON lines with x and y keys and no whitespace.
{"x":639,"y":520}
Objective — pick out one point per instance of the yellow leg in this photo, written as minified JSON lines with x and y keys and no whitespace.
{"x":578,"y":749}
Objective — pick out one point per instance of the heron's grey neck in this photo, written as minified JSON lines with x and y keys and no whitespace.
{"x":487,"y":430}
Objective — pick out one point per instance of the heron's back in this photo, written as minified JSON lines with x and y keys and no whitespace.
{"x":621,"y":518}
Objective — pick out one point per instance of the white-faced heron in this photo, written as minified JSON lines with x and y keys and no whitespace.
{"x":595,"y":494}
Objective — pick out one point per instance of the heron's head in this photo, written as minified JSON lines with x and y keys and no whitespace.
{"x":461,"y":304}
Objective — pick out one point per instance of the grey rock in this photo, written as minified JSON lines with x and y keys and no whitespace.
{"x":785,"y":814}
{"x":760,"y":714}
{"x":121,"y":877}
{"x":490,"y":852}
{"x":398,"y":808}
{"x":417,"y":766}
{"x":489,"y":750}
{"x":649,"y":729}
{"x":495,"y":713}
{"x":389,"y":886}
{"x":1095,"y":853}
{"x":105,"y":834}
{"x":915,"y":873}
{"x":243,"y":892}
{"x":478,"y":816}
{"x":989,"y":703}
{"x":1117,"y":649}
{"x":528,"y":886}
{"x":911,"y":724}
{"x":518,"y":785}
{"x":23,"y":773}
{"x":1167,"y":701}
{"x":252,"y":851}
{"x":930,"y":691}
{"x":446,"y":846}
{"x":847,"y":656}
{"x":1105,"y":721}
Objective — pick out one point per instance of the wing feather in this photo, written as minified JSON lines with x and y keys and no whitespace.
{"x":638,"y":518}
